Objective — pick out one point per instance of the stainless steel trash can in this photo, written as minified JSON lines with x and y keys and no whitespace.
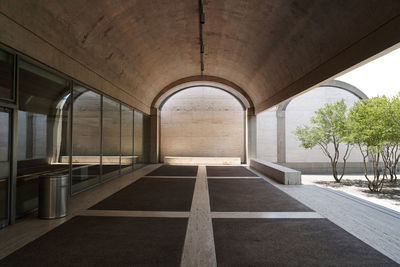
{"x":53,"y":196}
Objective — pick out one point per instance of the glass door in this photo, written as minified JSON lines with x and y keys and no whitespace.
{"x":4,"y":165}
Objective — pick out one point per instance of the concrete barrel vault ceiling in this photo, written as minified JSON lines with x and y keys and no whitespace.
{"x":272,"y":49}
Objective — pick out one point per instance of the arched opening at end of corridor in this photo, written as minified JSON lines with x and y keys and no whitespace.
{"x":202,"y":121}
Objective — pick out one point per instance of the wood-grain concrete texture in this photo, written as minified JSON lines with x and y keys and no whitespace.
{"x":131,"y":50}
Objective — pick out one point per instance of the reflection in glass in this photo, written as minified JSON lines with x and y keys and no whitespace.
{"x":4,"y":164}
{"x":85,"y":139}
{"x":6,"y":75}
{"x":42,"y":131}
{"x":4,"y":136}
{"x":146,"y":139}
{"x":138,"y":140}
{"x":126,"y":139}
{"x":111,"y":138}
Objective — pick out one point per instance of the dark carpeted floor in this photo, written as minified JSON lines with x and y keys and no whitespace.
{"x":152,"y":194}
{"x":106,"y":241}
{"x":290,"y":242}
{"x":250,"y":195}
{"x":172,"y":170}
{"x":229,"y":171}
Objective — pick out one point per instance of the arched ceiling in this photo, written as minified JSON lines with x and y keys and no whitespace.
{"x":272,"y":49}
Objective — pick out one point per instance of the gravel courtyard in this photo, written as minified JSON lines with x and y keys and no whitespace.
{"x":357,"y":185}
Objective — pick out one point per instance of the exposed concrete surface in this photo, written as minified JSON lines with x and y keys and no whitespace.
{"x":133,"y":49}
{"x":281,"y":174}
{"x":276,"y":141}
{"x":202,"y":122}
{"x":201,"y":161}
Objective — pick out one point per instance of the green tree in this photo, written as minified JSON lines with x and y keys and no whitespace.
{"x":328,"y":127}
{"x":391,"y":151}
{"x":367,"y":124}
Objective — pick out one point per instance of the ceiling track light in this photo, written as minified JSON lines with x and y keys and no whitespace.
{"x":202,"y":18}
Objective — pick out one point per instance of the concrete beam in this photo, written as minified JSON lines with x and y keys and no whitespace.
{"x":252,"y":136}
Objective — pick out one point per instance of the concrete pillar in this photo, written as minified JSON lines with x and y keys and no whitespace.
{"x":154,"y":135}
{"x":281,"y":135}
{"x":251,"y":136}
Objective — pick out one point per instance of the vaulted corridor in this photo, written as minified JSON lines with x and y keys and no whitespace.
{"x":105,"y":104}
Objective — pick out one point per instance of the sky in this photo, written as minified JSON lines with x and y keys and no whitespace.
{"x":378,"y":77}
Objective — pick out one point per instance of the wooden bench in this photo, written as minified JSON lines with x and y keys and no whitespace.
{"x":277,"y":172}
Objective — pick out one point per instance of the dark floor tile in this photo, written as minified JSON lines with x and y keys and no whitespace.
{"x":171,"y":170}
{"x":250,"y":195}
{"x":106,"y":241}
{"x":152,"y":194}
{"x":229,"y":171}
{"x":290,"y":242}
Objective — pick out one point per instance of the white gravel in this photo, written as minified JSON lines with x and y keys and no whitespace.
{"x":356,"y":185}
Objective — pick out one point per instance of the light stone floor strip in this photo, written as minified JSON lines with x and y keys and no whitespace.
{"x":184,"y":177}
{"x":267,"y":215}
{"x":129,"y":213}
{"x":373,"y":225}
{"x":199,"y":248}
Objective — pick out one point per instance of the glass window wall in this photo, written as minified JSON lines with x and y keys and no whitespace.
{"x":6,"y":75}
{"x":44,"y":102}
{"x":4,"y":164}
{"x":54,"y":125}
{"x":126,"y":139}
{"x":146,"y":139}
{"x":138,"y":140}
{"x":86,"y":139}
{"x":111,"y":138}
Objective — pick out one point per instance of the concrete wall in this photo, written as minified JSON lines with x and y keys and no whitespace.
{"x":202,"y":121}
{"x":298,"y":112}
{"x":266,"y":135}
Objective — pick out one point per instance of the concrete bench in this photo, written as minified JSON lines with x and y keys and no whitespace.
{"x":171,"y":160}
{"x":277,"y":172}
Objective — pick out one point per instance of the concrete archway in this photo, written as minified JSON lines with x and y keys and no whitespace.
{"x":281,"y":115}
{"x":204,"y":80}
{"x":198,"y":81}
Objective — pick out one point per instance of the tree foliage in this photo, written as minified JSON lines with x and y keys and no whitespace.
{"x":373,"y":125}
{"x":391,"y":151}
{"x":328,"y":127}
{"x":366,"y":122}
